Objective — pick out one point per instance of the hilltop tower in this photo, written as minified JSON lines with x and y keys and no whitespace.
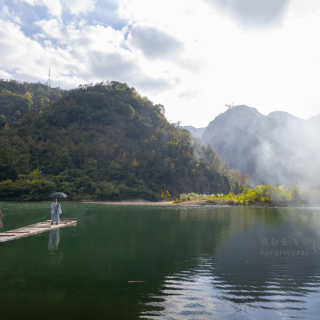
{"x":49,"y":80}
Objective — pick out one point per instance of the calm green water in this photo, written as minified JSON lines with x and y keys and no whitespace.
{"x":197,"y":263}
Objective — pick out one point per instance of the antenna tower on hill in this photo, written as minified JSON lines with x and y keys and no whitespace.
{"x":49,"y":80}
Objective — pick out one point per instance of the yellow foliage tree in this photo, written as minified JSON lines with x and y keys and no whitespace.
{"x":28,"y":95}
{"x":165,"y":194}
{"x":135,"y":163}
{"x":6,"y":126}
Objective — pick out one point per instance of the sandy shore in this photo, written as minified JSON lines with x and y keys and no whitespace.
{"x":159,"y":204}
{"x":131,"y":203}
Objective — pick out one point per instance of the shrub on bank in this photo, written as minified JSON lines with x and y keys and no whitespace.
{"x":263,"y":193}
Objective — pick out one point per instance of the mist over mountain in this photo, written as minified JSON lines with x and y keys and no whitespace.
{"x":196,"y":132}
{"x":277,"y":148}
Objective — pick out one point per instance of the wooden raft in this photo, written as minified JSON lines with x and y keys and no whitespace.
{"x":34,"y":229}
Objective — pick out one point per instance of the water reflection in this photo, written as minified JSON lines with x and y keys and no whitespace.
{"x":260,"y":262}
{"x":54,"y":239}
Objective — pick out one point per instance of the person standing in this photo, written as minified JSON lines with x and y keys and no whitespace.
{"x":1,"y":225}
{"x":55,"y":211}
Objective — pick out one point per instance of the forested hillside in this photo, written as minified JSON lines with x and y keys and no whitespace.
{"x":17,"y":99}
{"x":101,"y":142}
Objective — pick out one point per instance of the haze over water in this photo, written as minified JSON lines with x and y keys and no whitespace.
{"x":197,"y":263}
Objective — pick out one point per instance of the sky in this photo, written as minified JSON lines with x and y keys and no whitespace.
{"x":192,"y":56}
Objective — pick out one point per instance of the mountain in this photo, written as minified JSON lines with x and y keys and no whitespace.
{"x":100,"y":142}
{"x":196,"y":132}
{"x":277,"y":148}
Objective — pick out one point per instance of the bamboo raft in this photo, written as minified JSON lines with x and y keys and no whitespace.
{"x":35,"y":229}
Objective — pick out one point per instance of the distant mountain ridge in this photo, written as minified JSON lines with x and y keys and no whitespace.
{"x":277,"y":148}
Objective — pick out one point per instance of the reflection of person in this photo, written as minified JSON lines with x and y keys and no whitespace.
{"x":1,"y":225}
{"x":54,"y":239}
{"x":55,"y":211}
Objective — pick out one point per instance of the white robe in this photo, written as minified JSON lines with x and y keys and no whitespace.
{"x":55,"y":216}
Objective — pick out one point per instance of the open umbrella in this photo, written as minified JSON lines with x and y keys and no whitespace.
{"x":58,"y":195}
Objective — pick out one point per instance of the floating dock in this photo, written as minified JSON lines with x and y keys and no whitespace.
{"x":34,"y":229}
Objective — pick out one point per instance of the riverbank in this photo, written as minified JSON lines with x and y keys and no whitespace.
{"x":158,"y":204}
{"x":203,"y":203}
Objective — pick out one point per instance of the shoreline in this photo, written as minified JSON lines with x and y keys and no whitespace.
{"x":165,"y":204}
{"x":198,"y":203}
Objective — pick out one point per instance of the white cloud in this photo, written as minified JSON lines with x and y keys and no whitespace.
{"x":101,"y":54}
{"x":84,"y":54}
{"x":154,"y":43}
{"x":80,"y":36}
{"x":47,"y":43}
{"x":38,"y":36}
{"x":183,"y":54}
{"x":5,"y":14}
{"x":304,"y":8}
{"x":26,"y":59}
{"x":274,"y":70}
{"x":189,"y":94}
{"x":5,"y":75}
{"x":79,"y":6}
{"x":253,"y":13}
{"x":55,"y":7}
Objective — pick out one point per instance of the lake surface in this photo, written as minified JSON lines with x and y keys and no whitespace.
{"x":197,"y":263}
